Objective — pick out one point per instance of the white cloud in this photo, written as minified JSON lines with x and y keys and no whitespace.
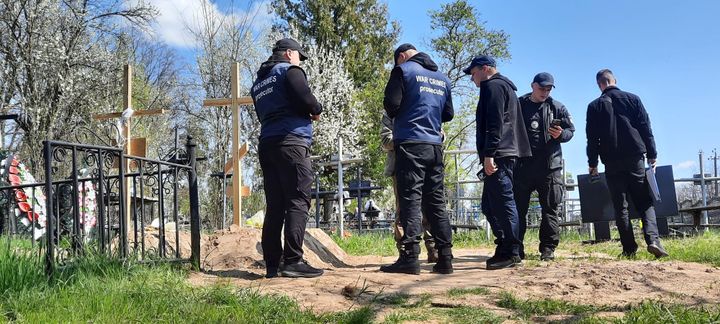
{"x":689,"y":164}
{"x":174,"y":17}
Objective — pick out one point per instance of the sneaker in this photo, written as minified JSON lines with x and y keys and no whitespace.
{"x":503,"y":262}
{"x":547,"y":254}
{"x":657,"y":250}
{"x":271,"y":272}
{"x":301,"y":269}
{"x":404,"y":264}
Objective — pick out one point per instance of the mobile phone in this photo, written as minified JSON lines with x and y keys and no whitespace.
{"x":556,"y":122}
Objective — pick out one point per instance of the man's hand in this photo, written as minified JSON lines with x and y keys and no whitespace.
{"x":555,"y":131}
{"x":593,"y":171}
{"x":652,"y":163}
{"x":489,"y":166}
{"x":315,"y":117}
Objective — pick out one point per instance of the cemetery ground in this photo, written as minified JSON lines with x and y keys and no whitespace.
{"x":586,"y":284}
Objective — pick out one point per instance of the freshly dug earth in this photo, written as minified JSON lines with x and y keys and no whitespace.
{"x":235,"y":256}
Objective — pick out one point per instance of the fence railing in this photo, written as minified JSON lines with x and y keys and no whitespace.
{"x":98,"y":199}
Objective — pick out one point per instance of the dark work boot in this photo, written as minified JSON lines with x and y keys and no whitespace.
{"x":657,"y":249}
{"x":444,"y":263}
{"x":547,"y":254}
{"x":407,"y":262}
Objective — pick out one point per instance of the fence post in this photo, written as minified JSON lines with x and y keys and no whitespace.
{"x":194,"y":205}
{"x":50,"y":252}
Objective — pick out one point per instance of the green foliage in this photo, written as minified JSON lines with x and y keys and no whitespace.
{"x":463,"y":35}
{"x":359,"y":29}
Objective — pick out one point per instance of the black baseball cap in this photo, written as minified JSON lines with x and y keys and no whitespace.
{"x":479,"y":61}
{"x":544,"y":79}
{"x":402,"y":48}
{"x":290,"y":44}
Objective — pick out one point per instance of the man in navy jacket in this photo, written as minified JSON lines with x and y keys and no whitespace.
{"x":501,"y":139}
{"x":618,"y":130}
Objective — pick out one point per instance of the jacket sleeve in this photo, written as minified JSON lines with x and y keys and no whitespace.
{"x":569,"y":131}
{"x":394,"y":91}
{"x":593,"y":139}
{"x":300,"y":92}
{"x":643,"y":127}
{"x":386,"y":135}
{"x":448,"y":111}
{"x":495,"y":101}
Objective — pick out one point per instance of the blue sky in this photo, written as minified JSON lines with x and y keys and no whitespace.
{"x":667,"y":52}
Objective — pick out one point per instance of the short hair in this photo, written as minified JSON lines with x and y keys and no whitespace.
{"x":604,"y":76}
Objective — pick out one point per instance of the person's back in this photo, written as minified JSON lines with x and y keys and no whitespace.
{"x":419,"y":100}
{"x":623,"y":126}
{"x":421,"y":115}
{"x":618,"y":130}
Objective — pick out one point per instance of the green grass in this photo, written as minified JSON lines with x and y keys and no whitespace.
{"x":544,"y":307}
{"x":456,"y":292}
{"x":702,"y":248}
{"x":656,"y":312}
{"x":20,"y":269}
{"x":98,"y":289}
{"x":375,"y":243}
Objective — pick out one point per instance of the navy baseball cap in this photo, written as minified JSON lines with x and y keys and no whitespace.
{"x":479,"y":61}
{"x":290,"y":44}
{"x":402,"y":48}
{"x":544,"y":79}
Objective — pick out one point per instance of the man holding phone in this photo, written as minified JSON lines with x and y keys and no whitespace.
{"x":548,"y":124}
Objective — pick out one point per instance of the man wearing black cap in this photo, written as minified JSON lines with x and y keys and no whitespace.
{"x":418,"y":97}
{"x":500,"y":139}
{"x":286,"y":108}
{"x":547,"y":123}
{"x":618,"y":130}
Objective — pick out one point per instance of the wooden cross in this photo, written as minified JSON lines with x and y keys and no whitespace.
{"x":132,"y":146}
{"x":237,"y":190}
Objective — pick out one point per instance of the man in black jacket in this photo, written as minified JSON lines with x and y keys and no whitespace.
{"x":618,"y":130}
{"x":418,"y":97}
{"x":548,"y":124}
{"x":286,"y":108}
{"x":501,"y":139}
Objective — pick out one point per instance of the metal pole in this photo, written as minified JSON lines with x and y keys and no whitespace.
{"x":715,"y":159}
{"x":359,"y":198}
{"x":317,"y":199}
{"x":194,"y":206}
{"x":457,"y":190}
{"x":50,"y":251}
{"x":224,"y":193}
{"x":341,"y":203}
{"x":703,"y":190}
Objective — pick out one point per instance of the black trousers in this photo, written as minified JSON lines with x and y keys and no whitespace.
{"x":533,"y":174}
{"x":287,"y":179}
{"x":420,"y":174}
{"x":498,"y":205}
{"x":626,"y":180}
